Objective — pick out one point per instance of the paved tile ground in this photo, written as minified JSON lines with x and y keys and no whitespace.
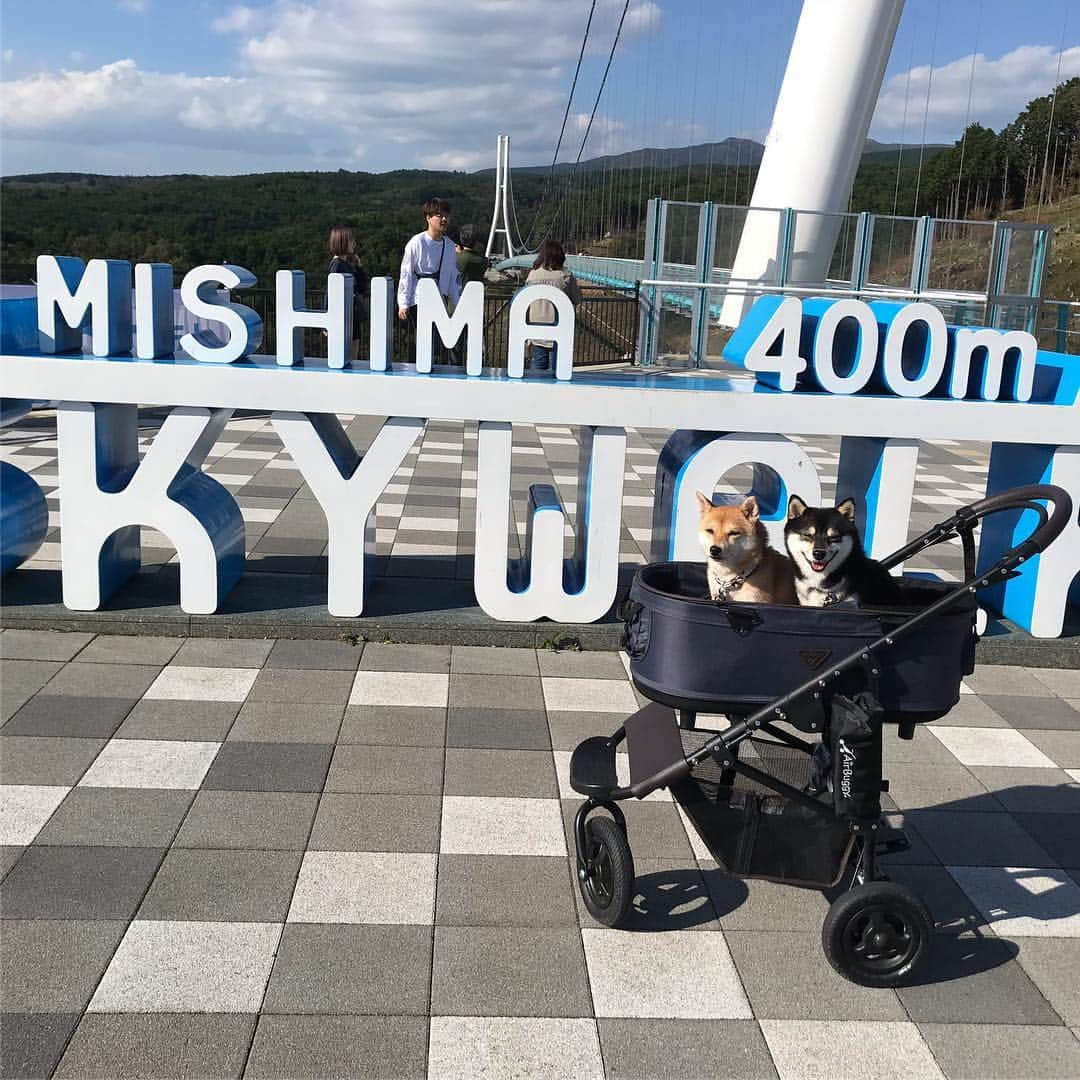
{"x":268,"y":858}
{"x":426,"y":516}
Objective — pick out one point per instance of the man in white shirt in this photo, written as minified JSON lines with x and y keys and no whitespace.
{"x":430,"y":254}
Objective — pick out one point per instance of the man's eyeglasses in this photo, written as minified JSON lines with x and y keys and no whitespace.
{"x":445,"y":217}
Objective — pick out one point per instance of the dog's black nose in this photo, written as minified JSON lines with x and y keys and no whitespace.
{"x":715,"y":552}
{"x":819,"y":554}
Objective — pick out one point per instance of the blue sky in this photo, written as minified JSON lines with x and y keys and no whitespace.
{"x":151,"y":86}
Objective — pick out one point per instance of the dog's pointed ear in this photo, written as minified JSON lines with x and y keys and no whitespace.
{"x":847,"y":508}
{"x":750,"y":508}
{"x":704,"y":503}
{"x":795,"y":507}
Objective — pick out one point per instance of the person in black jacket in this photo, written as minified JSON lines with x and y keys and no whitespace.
{"x":344,"y":261}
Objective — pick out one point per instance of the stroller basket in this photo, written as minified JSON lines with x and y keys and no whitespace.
{"x":753,"y":832}
{"x":691,"y":653}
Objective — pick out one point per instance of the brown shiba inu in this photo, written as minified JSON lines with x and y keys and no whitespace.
{"x":740,"y":563}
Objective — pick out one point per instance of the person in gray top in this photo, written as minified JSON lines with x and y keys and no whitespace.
{"x":549,"y":269}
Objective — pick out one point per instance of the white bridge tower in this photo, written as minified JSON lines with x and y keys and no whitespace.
{"x":503,"y":221}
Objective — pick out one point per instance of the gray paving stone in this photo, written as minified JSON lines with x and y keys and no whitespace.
{"x":1006,"y":679}
{"x":668,"y":895}
{"x":950,"y":907}
{"x":254,"y":820}
{"x":678,"y":1049}
{"x":70,"y":716}
{"x":654,"y":829}
{"x":116,"y":817}
{"x":513,"y":773}
{"x":302,"y":687}
{"x":1048,"y":713}
{"x":484,"y":890}
{"x":1065,"y":682}
{"x":223,"y":652}
{"x":971,"y":711}
{"x":54,"y":761}
{"x":973,"y":839}
{"x":498,"y":729}
{"x":253,"y":766}
{"x":129,"y":649}
{"x":31,"y":1043}
{"x":786,"y":977}
{"x":495,"y":692}
{"x":78,"y":882}
{"x":1052,"y":964}
{"x":486,"y":660}
{"x":197,"y":721}
{"x":41,"y":644}
{"x":379,"y":657}
{"x":52,"y":966}
{"x":1058,"y":834}
{"x":317,"y":969}
{"x":321,"y":655}
{"x":376,"y":823}
{"x":285,"y":722}
{"x":508,"y":971}
{"x":393,"y":725}
{"x":223,"y":886}
{"x":167,"y":1046}
{"x":102,"y":680}
{"x":1062,"y":747}
{"x":570,"y":728}
{"x":1033,"y":791}
{"x":1003,"y":1051}
{"x":364,"y":1046}
{"x":386,"y":769}
{"x":948,"y":787}
{"x":975,"y":979}
{"x":9,"y":856}
{"x":763,"y":905}
{"x":580,"y":665}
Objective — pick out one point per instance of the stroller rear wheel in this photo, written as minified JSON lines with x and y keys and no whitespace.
{"x":606,"y":877}
{"x":877,"y":934}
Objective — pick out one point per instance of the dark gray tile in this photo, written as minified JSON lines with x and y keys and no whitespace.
{"x":223,"y":886}
{"x":496,"y":692}
{"x":668,"y":895}
{"x":1062,"y":747}
{"x":962,"y":839}
{"x":158,"y":1046}
{"x":21,"y":678}
{"x":1052,"y":965}
{"x":948,"y":904}
{"x":302,"y":687}
{"x":947,"y":787}
{"x":508,"y":971}
{"x":252,"y":766}
{"x":654,"y":829}
{"x":1046,"y":713}
{"x":255,"y":820}
{"x":972,"y":979}
{"x":25,"y":759}
{"x":31,"y":1043}
{"x":473,"y":891}
{"x":376,"y":823}
{"x":317,"y":966}
{"x":512,"y":773}
{"x":386,"y":769}
{"x":275,"y":721}
{"x":570,"y":728}
{"x":102,"y":680}
{"x":223,"y":652}
{"x":364,"y":1046}
{"x":1058,"y":834}
{"x":1031,"y":791}
{"x":198,"y":721}
{"x":9,"y":856}
{"x":48,"y":966}
{"x":69,"y":715}
{"x":485,"y":660}
{"x":1003,"y":1051}
{"x":379,"y":657}
{"x":129,"y":649}
{"x":393,"y":725}
{"x":498,"y":729}
{"x":116,"y":817}
{"x":321,"y":655}
{"x":580,"y":665}
{"x":41,"y":644}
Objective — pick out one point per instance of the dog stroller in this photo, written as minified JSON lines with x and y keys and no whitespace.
{"x":790,"y":791}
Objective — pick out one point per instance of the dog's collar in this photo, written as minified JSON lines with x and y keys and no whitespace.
{"x":726,"y":586}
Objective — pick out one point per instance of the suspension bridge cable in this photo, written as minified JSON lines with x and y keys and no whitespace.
{"x":562,"y":129}
{"x":926,"y":107}
{"x":1050,"y":122}
{"x":967,"y":116}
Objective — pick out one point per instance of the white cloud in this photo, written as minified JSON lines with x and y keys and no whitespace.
{"x":1001,"y":88}
{"x":357,"y":83}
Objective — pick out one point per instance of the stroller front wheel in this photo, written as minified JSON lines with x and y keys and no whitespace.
{"x":606,"y":876}
{"x":877,"y":934}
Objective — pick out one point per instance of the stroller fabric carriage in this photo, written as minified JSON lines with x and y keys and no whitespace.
{"x":791,"y":789}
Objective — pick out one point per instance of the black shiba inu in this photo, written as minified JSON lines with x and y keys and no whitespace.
{"x":828,"y":559}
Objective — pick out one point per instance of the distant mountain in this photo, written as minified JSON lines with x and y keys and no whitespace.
{"x":728,"y":152}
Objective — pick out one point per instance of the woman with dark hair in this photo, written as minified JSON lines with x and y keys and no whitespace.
{"x":343,"y":260}
{"x":549,"y":269}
